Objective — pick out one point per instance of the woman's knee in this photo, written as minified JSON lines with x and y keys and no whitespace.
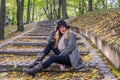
{"x":53,"y":58}
{"x":51,"y":44}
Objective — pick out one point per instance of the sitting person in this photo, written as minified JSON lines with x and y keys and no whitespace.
{"x":63,"y":43}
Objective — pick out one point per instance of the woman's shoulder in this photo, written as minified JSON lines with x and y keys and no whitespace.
{"x":71,"y":33}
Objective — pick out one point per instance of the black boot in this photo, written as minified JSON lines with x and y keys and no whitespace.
{"x":30,"y":72}
{"x":34,"y":70}
{"x":39,"y":58}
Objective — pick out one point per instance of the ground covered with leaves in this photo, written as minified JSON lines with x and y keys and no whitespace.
{"x":93,"y":74}
{"x":15,"y":60}
{"x":103,"y":24}
{"x":16,"y":75}
{"x":10,"y":31}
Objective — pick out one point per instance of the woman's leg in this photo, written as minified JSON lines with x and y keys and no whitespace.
{"x":61,"y":59}
{"x":46,"y":51}
{"x":49,"y":47}
{"x":34,"y":70}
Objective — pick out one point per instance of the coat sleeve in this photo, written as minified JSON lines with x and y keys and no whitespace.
{"x":51,"y":36}
{"x":71,"y":45}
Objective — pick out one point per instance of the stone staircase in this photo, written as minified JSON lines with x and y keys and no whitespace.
{"x":19,"y":52}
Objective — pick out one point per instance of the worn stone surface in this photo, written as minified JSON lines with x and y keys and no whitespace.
{"x":96,"y":62}
{"x":43,"y":44}
{"x":111,"y":53}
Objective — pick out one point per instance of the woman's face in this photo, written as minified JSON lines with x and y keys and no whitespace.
{"x":62,"y":29}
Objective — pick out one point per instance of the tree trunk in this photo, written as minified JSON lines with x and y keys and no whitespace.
{"x":54,"y":10}
{"x":90,"y":6}
{"x":13,"y":18}
{"x":46,"y":14}
{"x":51,"y":12}
{"x":36,"y":12}
{"x":28,"y":11}
{"x":13,"y":14}
{"x":59,"y":9}
{"x":64,"y":11}
{"x":46,"y":4}
{"x":21,"y":16}
{"x":33,"y":10}
{"x":2,"y":18}
{"x":20,"y":8}
{"x":82,"y":7}
{"x":46,"y":10}
{"x":79,"y":7}
{"x":85,"y":6}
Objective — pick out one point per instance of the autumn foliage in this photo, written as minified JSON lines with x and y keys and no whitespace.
{"x":104,"y":24}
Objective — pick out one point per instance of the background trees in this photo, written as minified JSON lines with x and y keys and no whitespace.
{"x":21,"y":12}
{"x":36,"y":10}
{"x":2,"y":18}
{"x":20,"y":8}
{"x":90,"y":5}
{"x":28,"y":11}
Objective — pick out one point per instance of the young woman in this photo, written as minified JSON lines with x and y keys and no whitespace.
{"x":63,"y":44}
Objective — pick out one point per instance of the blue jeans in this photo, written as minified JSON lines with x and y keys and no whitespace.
{"x":61,"y":59}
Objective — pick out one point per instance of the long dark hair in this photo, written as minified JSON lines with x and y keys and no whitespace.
{"x":58,"y":33}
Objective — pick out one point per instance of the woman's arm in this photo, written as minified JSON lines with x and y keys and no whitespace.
{"x":71,"y":45}
{"x":51,"y":36}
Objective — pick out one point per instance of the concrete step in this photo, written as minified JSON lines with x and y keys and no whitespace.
{"x":18,"y":66}
{"x":22,"y":52}
{"x":43,"y":44}
{"x":34,"y":52}
{"x":36,"y":35}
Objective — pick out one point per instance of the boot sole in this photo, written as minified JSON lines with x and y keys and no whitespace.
{"x":26,"y":71}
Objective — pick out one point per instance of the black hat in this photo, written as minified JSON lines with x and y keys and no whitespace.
{"x":62,"y":23}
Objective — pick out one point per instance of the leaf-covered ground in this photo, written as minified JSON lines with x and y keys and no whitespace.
{"x":93,"y":74}
{"x":30,"y":40}
{"x":10,"y":31}
{"x":11,"y":47}
{"x":16,"y":75}
{"x":104,"y":24}
{"x":112,"y":68}
{"x":50,"y":76}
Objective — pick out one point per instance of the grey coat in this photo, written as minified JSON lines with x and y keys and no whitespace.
{"x":70,"y":49}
